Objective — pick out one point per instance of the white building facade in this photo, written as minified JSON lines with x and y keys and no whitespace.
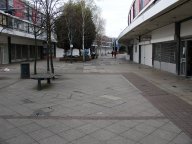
{"x":17,"y":42}
{"x":159,"y":34}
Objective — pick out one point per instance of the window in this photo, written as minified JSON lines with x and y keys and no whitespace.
{"x":16,"y":24}
{"x":30,"y":28}
{"x":2,"y":4}
{"x":11,"y":3}
{"x":146,"y":2}
{"x":13,"y":52}
{"x":32,"y":51}
{"x":130,"y":18}
{"x":25,"y":51}
{"x":165,"y":52}
{"x":25,"y":27}
{"x":10,"y":22}
{"x":136,"y":8}
{"x":3,"y":20}
{"x":132,"y":14}
{"x":141,"y":4}
{"x":18,"y":52}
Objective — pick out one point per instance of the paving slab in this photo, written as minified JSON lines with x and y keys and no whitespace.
{"x":103,"y":101}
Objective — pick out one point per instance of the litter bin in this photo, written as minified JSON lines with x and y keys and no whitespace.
{"x":25,"y":70}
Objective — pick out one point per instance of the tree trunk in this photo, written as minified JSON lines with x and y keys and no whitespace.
{"x":35,"y":61}
{"x":48,"y":50}
{"x":49,"y":44}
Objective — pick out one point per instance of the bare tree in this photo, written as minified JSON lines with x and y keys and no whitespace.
{"x":37,"y":28}
{"x":91,"y":5}
{"x":100,"y":28}
{"x":69,"y":18}
{"x":50,"y":10}
{"x":70,"y":25}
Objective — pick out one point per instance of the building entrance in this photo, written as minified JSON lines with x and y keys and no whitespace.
{"x":186,"y":58}
{"x":189,"y":58}
{"x":1,"y":56}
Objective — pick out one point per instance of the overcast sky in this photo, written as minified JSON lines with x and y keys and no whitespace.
{"x":115,"y":14}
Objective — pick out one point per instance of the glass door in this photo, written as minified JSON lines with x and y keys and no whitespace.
{"x":1,"y":56}
{"x":189,"y":58}
{"x":183,"y":58}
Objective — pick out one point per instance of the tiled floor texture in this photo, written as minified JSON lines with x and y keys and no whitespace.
{"x":104,"y":101}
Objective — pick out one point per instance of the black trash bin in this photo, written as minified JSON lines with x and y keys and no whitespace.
{"x":25,"y":70}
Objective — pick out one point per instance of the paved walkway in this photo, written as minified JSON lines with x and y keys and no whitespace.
{"x":103,"y":101}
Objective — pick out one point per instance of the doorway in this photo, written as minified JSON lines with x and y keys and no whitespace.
{"x":139,"y":54}
{"x":1,"y":56}
{"x":189,"y":58}
{"x":186,"y":58}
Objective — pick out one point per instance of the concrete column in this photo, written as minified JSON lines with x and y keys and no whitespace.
{"x":9,"y":49}
{"x":178,"y":41}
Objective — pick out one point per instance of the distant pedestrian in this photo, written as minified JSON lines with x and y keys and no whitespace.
{"x":115,"y":53}
{"x":112,"y":53}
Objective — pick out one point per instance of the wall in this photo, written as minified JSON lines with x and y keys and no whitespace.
{"x":59,"y":52}
{"x":24,"y":41}
{"x":3,"y":39}
{"x":169,"y":67}
{"x":136,"y":53}
{"x":160,"y":6}
{"x":163,"y":34}
{"x":186,"y":28}
{"x":146,"y":54}
{"x":21,"y":7}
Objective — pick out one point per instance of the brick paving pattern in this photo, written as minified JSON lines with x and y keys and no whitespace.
{"x":174,"y":108}
{"x":91,"y":103}
{"x":84,"y":117}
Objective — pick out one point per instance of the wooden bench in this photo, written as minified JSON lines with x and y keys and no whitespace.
{"x":42,"y":76}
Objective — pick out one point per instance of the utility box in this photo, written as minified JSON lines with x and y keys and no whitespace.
{"x":25,"y":70}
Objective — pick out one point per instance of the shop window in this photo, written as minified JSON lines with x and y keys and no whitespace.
{"x":32,"y":51}
{"x":25,"y":51}
{"x":18,"y":52}
{"x":165,"y":52}
{"x":13,"y":52}
{"x":157,"y":51}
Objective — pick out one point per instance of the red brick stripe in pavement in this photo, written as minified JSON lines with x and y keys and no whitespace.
{"x":174,"y":108}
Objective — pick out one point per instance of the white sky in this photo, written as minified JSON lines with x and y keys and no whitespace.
{"x":115,"y":13}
